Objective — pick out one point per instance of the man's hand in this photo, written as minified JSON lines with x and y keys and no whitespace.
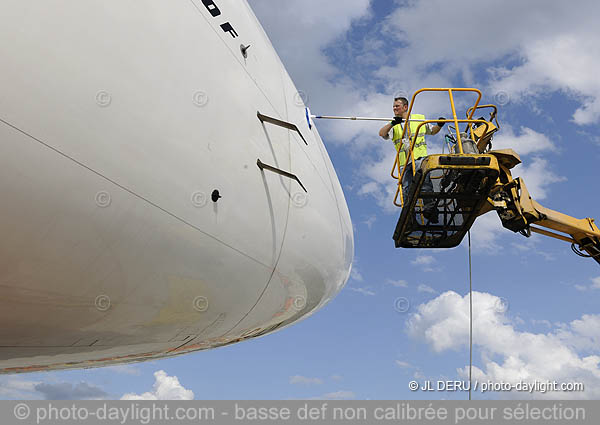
{"x":396,"y":121}
{"x":442,"y":123}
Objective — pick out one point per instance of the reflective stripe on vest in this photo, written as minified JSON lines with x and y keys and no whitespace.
{"x":420,"y":148}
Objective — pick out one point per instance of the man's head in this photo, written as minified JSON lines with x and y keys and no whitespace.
{"x":400,"y":106}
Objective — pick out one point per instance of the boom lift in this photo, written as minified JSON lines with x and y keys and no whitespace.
{"x":472,"y":180}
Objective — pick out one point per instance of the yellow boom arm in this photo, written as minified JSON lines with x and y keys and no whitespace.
{"x":520,"y":213}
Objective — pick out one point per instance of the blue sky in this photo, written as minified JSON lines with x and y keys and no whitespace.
{"x":403,"y":313}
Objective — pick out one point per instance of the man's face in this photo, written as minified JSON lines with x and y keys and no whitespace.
{"x":399,"y":108}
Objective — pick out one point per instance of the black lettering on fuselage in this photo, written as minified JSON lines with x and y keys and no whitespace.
{"x":214,"y":11}
{"x":228,"y":28}
{"x":211,"y":7}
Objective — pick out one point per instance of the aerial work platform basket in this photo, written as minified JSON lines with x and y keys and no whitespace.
{"x":458,"y":197}
{"x":461,"y":180}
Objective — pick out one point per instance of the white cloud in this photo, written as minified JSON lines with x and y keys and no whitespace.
{"x":68,"y":391}
{"x":339,"y":395}
{"x":370,"y":188}
{"x":165,"y":388}
{"x":566,"y":69}
{"x":508,"y":354}
{"x":542,"y":322}
{"x":355,"y":274}
{"x":370,"y":221}
{"x":426,"y":289}
{"x":584,"y":333}
{"x":595,"y":285}
{"x":538,"y":177}
{"x":531,"y":246}
{"x":126,"y":370}
{"x":297,"y":379}
{"x":423,"y":260}
{"x":16,"y":388}
{"x":542,"y":54}
{"x":306,"y":26}
{"x":418,"y":375}
{"x":378,"y":183}
{"x":397,"y":283}
{"x":404,"y":365}
{"x":485,"y":232}
{"x":527,"y":141}
{"x":364,"y":291}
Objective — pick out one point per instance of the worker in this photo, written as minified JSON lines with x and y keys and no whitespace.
{"x":419,"y":150}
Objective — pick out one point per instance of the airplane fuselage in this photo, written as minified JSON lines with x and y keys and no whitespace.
{"x":136,"y":223}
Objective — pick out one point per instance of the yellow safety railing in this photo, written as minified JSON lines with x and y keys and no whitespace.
{"x":493,"y":117}
{"x":470,"y":121}
{"x":412,"y":159}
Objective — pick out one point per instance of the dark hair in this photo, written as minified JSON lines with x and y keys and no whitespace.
{"x":402,"y":99}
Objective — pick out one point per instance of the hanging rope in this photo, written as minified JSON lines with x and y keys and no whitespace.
{"x":470,"y":321}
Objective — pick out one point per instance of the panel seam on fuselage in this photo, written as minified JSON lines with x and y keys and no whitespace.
{"x":149,"y":202}
{"x":287,"y":220}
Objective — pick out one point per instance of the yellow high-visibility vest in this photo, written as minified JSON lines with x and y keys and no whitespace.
{"x":420,"y":148}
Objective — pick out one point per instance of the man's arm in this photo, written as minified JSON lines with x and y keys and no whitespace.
{"x":438,"y":127}
{"x":385,"y":131}
{"x":435,"y":129}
